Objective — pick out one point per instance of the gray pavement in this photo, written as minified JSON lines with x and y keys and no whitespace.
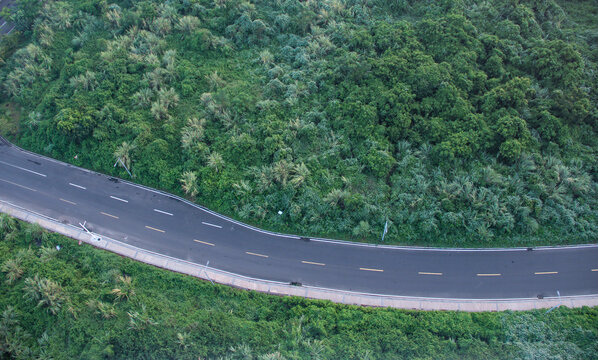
{"x":150,"y":220}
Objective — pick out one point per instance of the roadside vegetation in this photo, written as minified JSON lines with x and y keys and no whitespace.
{"x":461,"y":122}
{"x":84,"y":303}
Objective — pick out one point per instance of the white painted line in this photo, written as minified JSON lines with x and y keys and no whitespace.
{"x":1,"y":26}
{"x":203,"y":242}
{"x":119,"y":199}
{"x":20,"y":168}
{"x":15,"y":184}
{"x":78,"y":186}
{"x":163,"y":212}
{"x":68,"y":202}
{"x":254,"y":254}
{"x":546,"y":272}
{"x":594,"y":269}
{"x":9,"y":31}
{"x":489,"y":274}
{"x":216,"y":226}
{"x":368,"y":269}
{"x":313,"y":263}
{"x":429,"y":273}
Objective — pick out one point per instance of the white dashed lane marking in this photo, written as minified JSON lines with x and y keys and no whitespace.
{"x":216,"y":226}
{"x":163,"y":212}
{"x":20,"y":168}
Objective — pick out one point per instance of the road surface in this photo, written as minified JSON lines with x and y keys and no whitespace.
{"x":162,"y":223}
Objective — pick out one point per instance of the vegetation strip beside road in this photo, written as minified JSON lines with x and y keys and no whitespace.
{"x":64,"y":298}
{"x":462,"y":125}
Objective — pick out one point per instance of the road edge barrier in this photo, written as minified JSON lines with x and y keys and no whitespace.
{"x":285,"y":289}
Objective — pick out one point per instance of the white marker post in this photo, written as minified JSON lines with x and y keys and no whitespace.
{"x":385,"y":230}
{"x":123,"y":164}
{"x":556,"y":306}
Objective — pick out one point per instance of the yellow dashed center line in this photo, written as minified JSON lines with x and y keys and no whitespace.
{"x":429,"y":273}
{"x":488,"y":274}
{"x":110,"y":215}
{"x":254,"y":254}
{"x":546,"y":272}
{"x":203,"y":242}
{"x":68,"y":202}
{"x":151,"y":228}
{"x":368,"y":269}
{"x":313,"y":263}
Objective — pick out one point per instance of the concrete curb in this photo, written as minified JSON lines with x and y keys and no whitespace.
{"x":284,"y":289}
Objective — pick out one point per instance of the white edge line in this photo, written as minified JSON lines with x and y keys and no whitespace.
{"x":216,"y":226}
{"x":339,"y":242}
{"x":20,"y":168}
{"x":9,"y":31}
{"x":78,"y":186}
{"x":305,"y":286}
{"x":163,"y":212}
{"x":119,"y":199}
{"x":18,"y":185}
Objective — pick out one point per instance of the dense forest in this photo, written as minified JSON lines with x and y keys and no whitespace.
{"x":460,"y":122}
{"x":83,"y":303}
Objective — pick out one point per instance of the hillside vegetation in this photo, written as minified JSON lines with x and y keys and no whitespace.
{"x":82,"y":303}
{"x":461,"y":122}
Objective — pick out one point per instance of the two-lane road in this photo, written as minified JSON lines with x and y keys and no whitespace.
{"x":151,"y":220}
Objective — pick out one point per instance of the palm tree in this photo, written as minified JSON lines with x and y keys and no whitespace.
{"x":123,"y":152}
{"x":159,"y":110}
{"x":187,"y":24}
{"x":143,"y":97}
{"x":193,"y":132}
{"x":47,"y":253}
{"x":155,"y":78}
{"x":13,"y":270}
{"x":7,"y":224}
{"x":169,"y":98}
{"x":161,"y":26}
{"x":300,"y":175}
{"x":36,"y":233}
{"x":281,"y":171}
{"x":46,"y":292}
{"x":215,"y":161}
{"x":85,"y":81}
{"x":113,"y":15}
{"x":169,"y":57}
{"x":126,"y":290}
{"x":45,"y":35}
{"x":106,"y":310}
{"x":140,"y":320}
{"x":266,"y":57}
{"x":189,"y":181}
{"x":183,"y":340}
{"x":214,"y":80}
{"x":336,"y":197}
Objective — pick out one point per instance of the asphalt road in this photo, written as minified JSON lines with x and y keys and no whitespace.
{"x":5,"y":26}
{"x":151,"y":220}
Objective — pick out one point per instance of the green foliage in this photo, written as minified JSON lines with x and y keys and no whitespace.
{"x":338,"y":113}
{"x":88,"y":303}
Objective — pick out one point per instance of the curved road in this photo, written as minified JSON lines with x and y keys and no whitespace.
{"x":155,"y":221}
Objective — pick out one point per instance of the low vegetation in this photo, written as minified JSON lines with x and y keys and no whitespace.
{"x":80,"y":302}
{"x":461,"y":122}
